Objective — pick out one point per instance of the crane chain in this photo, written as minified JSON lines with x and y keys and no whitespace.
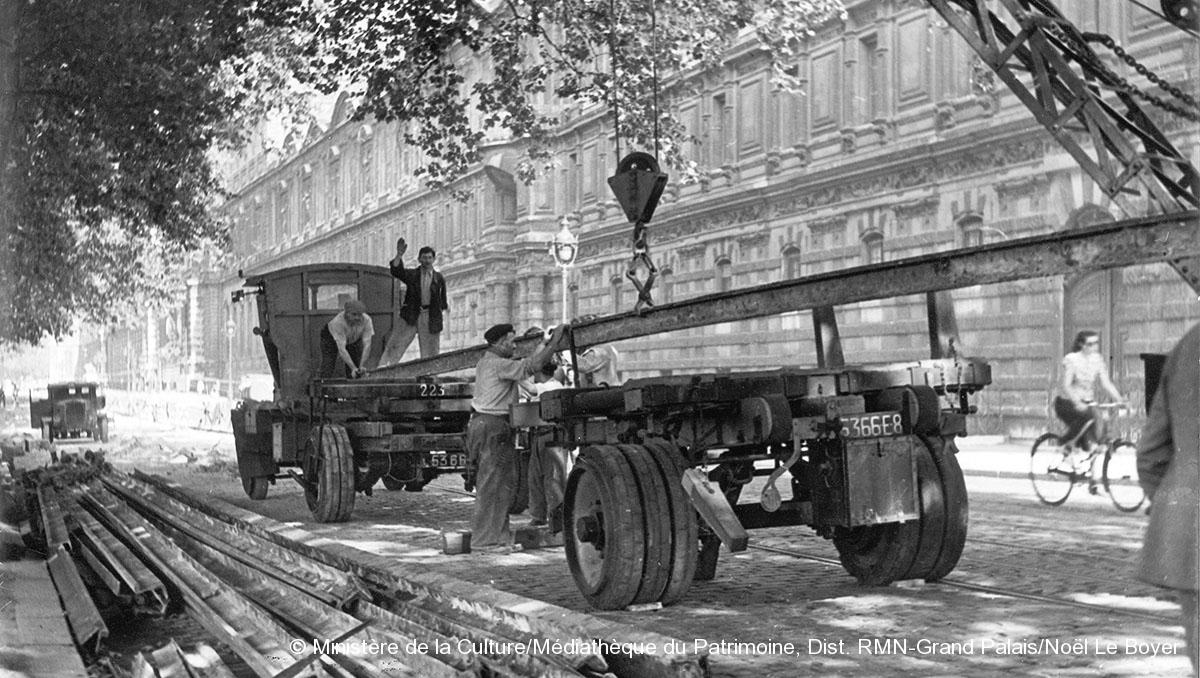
{"x":641,"y":257}
{"x":1082,"y":51}
{"x":1111,"y":44}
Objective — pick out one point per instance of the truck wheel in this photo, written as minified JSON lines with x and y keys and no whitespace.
{"x":656,"y":523}
{"x":102,"y":431}
{"x":256,"y":487}
{"x":684,"y":548}
{"x":393,"y":484}
{"x":329,"y":474}
{"x":954,"y":505}
{"x":877,"y":555}
{"x":605,"y":543}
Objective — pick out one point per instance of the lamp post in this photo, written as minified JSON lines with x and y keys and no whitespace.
{"x":230,"y":330}
{"x":564,"y":248}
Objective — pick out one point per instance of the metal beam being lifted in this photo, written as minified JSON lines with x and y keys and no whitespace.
{"x":1122,"y":243}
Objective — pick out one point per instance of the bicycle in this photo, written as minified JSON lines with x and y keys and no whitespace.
{"x":1056,"y":465}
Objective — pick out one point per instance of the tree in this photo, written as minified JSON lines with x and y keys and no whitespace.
{"x":405,"y":59}
{"x":108,"y":112}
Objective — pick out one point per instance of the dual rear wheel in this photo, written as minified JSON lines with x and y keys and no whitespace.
{"x":927,"y":548}
{"x":630,"y":530}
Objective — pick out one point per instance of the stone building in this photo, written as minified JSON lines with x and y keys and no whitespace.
{"x":900,"y":144}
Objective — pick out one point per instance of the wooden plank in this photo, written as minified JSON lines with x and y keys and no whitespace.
{"x":1112,"y":245}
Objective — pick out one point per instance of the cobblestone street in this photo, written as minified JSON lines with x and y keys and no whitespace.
{"x":1041,"y":591}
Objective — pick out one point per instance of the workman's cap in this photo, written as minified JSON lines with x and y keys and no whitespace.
{"x":355,"y":306}
{"x":497,"y":332}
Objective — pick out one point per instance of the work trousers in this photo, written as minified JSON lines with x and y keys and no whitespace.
{"x":330,"y":360}
{"x":547,"y":478}
{"x":491,"y":448}
{"x":402,"y":336}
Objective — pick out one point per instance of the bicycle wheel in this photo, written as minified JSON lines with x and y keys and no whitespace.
{"x":1050,"y":470}
{"x":1121,"y":477}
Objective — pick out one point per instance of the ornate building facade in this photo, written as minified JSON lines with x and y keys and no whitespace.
{"x":900,"y":144}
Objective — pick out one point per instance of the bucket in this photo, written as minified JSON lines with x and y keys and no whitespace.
{"x":455,"y":543}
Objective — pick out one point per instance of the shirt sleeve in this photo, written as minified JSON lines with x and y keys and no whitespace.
{"x":337,"y":329}
{"x":368,"y":327}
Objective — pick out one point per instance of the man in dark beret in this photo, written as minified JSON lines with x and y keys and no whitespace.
{"x":490,"y":436}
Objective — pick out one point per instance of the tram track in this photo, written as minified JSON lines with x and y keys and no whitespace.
{"x":955,"y":582}
{"x":963,"y":584}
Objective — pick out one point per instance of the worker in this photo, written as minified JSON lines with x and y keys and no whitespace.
{"x":491,"y":449}
{"x":1168,"y":465}
{"x":346,"y":338}
{"x":547,"y":462}
{"x":422,"y":314}
{"x":598,"y":366}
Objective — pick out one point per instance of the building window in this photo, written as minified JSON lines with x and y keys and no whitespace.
{"x":366,"y":170}
{"x":970,"y":228}
{"x":334,"y":190}
{"x":665,"y":283}
{"x":282,"y":224}
{"x":791,"y":263}
{"x":872,"y":247}
{"x":306,"y":201}
{"x":615,"y":287}
{"x":724,"y":275}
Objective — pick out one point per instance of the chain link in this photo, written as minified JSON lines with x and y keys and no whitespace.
{"x":1118,"y":83}
{"x":641,"y":257}
{"x":1173,"y":90}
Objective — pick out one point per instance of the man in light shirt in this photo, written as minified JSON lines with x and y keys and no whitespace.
{"x":490,"y":437}
{"x":424,"y":308}
{"x":346,"y":338}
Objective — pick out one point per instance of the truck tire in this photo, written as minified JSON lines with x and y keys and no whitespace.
{"x":605,"y":543}
{"x":685,"y":541}
{"x":256,"y":487}
{"x":877,"y":555}
{"x":954,"y":502}
{"x":329,"y":474}
{"x":656,"y":523}
{"x":393,"y":484}
{"x":102,"y":430}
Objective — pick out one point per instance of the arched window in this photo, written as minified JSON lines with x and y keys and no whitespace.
{"x":791,"y":262}
{"x":872,"y":247}
{"x":724,"y":274}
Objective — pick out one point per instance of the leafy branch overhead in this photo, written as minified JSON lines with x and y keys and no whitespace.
{"x":417,"y":61}
{"x":110,"y":110}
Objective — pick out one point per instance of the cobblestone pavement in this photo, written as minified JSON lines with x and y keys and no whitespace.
{"x":1081,"y":553}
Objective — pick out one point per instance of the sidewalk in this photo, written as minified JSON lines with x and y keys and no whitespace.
{"x":993,"y":457}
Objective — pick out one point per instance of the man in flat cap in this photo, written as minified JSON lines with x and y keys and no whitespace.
{"x":490,"y":436}
{"x":346,"y":338}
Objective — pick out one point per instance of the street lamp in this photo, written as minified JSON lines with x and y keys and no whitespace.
{"x":230,"y":331}
{"x":564,"y":247}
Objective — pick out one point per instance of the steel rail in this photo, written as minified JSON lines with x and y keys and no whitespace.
{"x":982,"y":588}
{"x":1121,"y":243}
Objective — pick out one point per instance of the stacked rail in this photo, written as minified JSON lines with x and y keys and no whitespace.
{"x":284,"y":608}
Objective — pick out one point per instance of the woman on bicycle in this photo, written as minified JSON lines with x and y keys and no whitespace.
{"x":1081,"y":369}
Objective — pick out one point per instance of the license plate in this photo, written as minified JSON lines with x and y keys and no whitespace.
{"x":874,"y":425}
{"x":447,"y":459}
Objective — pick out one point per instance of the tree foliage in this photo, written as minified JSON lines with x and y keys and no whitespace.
{"x":410,"y":60}
{"x":107,"y":182}
{"x":110,"y":109}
